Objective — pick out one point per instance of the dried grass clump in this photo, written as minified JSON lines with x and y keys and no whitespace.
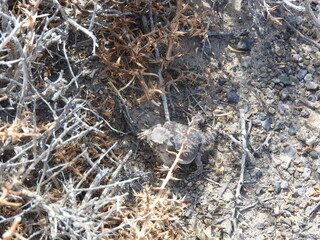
{"x":139,"y":48}
{"x":154,"y":217}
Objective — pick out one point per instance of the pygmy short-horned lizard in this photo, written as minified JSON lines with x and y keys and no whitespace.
{"x":170,"y":136}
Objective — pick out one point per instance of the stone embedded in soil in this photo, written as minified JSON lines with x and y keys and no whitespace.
{"x":305,"y":113}
{"x":296,"y":58}
{"x":314,"y":154}
{"x":292,"y":130}
{"x":258,"y":173}
{"x":284,"y":94}
{"x":277,"y":187}
{"x":306,"y":173}
{"x":312,"y":140}
{"x":260,"y":226}
{"x":301,"y":74}
{"x":284,"y":79}
{"x":267,"y":124}
{"x":247,"y":61}
{"x":311,"y":85}
{"x":244,"y":44}
{"x":290,"y":151}
{"x":301,"y":191}
{"x":308,"y":77}
{"x":311,"y":69}
{"x":279,"y":126}
{"x":284,"y":185}
{"x":291,"y":170}
{"x":233,"y":97}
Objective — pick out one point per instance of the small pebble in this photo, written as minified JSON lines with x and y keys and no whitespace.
{"x":244,"y":44}
{"x":292,"y":130}
{"x":301,"y":191}
{"x":260,"y":226}
{"x":286,"y":221}
{"x":279,"y":126}
{"x":276,"y":210}
{"x":247,"y":61}
{"x":311,"y":85}
{"x":259,"y":191}
{"x":261,"y":116}
{"x":269,"y":93}
{"x":263,"y":69}
{"x":305,"y":113}
{"x":314,"y":154}
{"x":306,"y":173}
{"x":284,"y":185}
{"x":258,"y":173}
{"x":284,"y":79}
{"x":311,"y":140}
{"x":308,"y":77}
{"x":271,"y":110}
{"x":291,"y":170}
{"x":277,"y":187}
{"x":284,"y":94}
{"x":311,"y":69}
{"x":233,"y":97}
{"x":296,"y":58}
{"x":267,"y":124}
{"x":301,"y":74}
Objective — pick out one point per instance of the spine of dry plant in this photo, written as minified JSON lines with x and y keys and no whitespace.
{"x":8,"y":235}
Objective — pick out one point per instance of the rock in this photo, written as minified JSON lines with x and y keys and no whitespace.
{"x":296,"y":58}
{"x":306,"y":62}
{"x":284,"y":94}
{"x":258,"y":173}
{"x":291,"y":170}
{"x":290,"y":151}
{"x":247,"y":61}
{"x":269,"y":93}
{"x":293,"y":79}
{"x":306,"y":173}
{"x":292,"y":130}
{"x":284,"y":79}
{"x":245,"y":44}
{"x":277,"y":187}
{"x":301,"y":191}
{"x":311,"y":69}
{"x":276,"y":210}
{"x":314,"y":154}
{"x":286,"y":221}
{"x":260,"y":226}
{"x":311,"y":85}
{"x":233,"y":97}
{"x":308,"y":77}
{"x":284,"y":185}
{"x":279,"y":126}
{"x":312,"y":140}
{"x":301,"y":74}
{"x":271,"y":110}
{"x":261,"y":116}
{"x":305,"y":113}
{"x":259,"y":191}
{"x":279,"y":50}
{"x":263,"y":69}
{"x":267,"y":124}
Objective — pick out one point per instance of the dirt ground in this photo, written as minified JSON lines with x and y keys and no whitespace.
{"x":71,"y":163}
{"x":276,"y":83}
